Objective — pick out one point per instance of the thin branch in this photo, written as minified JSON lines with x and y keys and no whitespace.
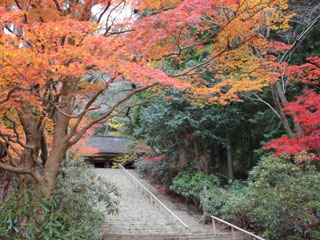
{"x":15,"y":68}
{"x":15,"y":150}
{"x":57,"y":5}
{"x":19,"y":170}
{"x":64,"y":113}
{"x":81,"y":115}
{"x":268,"y":104}
{"x":14,"y":125}
{"x":109,"y":15}
{"x":13,"y":161}
{"x":198,"y":43}
{"x":299,"y":39}
{"x":104,"y":11}
{"x":130,"y":106}
{"x":17,"y":35}
{"x":227,"y":48}
{"x":10,"y":138}
{"x":161,"y":10}
{"x":185,"y":72}
{"x":11,"y":91}
{"x":119,"y":32}
{"x":18,"y":5}
{"x":106,"y":115}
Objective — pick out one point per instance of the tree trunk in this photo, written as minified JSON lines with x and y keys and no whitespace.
{"x":284,"y":120}
{"x":206,"y":163}
{"x":222,"y":161}
{"x":60,"y":142}
{"x":182,"y":158}
{"x":28,"y":159}
{"x":35,"y":141}
{"x":229,"y":155}
{"x":205,"y":158}
{"x":196,"y":151}
{"x":53,"y":167}
{"x":284,"y":100}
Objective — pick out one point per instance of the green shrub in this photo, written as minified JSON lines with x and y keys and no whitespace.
{"x":218,"y":201}
{"x":161,"y":172}
{"x":282,"y":200}
{"x":190,"y":185}
{"x":70,"y":213}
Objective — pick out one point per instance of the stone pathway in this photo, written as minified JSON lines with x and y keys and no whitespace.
{"x":138,"y":218}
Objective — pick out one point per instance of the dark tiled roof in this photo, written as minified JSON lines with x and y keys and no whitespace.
{"x":109,"y":144}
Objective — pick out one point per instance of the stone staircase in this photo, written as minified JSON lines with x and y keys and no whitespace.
{"x":141,"y":219}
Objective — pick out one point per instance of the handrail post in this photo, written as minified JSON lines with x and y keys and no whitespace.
{"x":233,"y":227}
{"x":232,"y":232}
{"x":214,"y":227}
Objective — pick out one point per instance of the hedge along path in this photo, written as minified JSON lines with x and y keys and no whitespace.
{"x":139,"y":218}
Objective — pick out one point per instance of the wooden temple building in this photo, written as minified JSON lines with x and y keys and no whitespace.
{"x":109,"y":147}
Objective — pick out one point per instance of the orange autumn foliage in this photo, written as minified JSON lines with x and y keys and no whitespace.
{"x":48,"y":47}
{"x":235,"y":28}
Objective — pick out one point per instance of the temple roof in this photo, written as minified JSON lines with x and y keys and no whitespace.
{"x":109,"y":144}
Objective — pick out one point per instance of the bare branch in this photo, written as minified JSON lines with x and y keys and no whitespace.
{"x":66,"y":114}
{"x":22,"y":170}
{"x":16,"y":140}
{"x":130,"y":106}
{"x":106,"y":115}
{"x":18,"y":5}
{"x":109,"y":15}
{"x":300,"y":38}
{"x":11,"y":91}
{"x":161,"y":10}
{"x":14,"y":125}
{"x":104,"y":11}
{"x":19,"y":170}
{"x":57,"y":5}
{"x":261,"y":100}
{"x":185,"y":72}
{"x":119,"y":32}
{"x":83,"y":113}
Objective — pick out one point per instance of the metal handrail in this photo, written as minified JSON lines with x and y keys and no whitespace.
{"x":232,"y":228}
{"x":153,"y":196}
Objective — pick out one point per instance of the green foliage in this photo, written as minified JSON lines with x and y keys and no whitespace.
{"x":161,"y":172}
{"x":218,"y":201}
{"x":180,"y":124}
{"x":70,"y":213}
{"x":181,"y":117}
{"x":282,"y":200}
{"x":190,"y":185}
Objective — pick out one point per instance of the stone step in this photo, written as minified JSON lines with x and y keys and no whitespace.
{"x":226,"y":236}
{"x":139,"y":219}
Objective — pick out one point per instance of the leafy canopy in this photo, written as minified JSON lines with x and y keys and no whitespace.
{"x":49,"y":47}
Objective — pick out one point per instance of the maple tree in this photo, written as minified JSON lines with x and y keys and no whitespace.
{"x":48,"y":47}
{"x":307,"y":110}
{"x":308,"y":72}
{"x":304,"y":111}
